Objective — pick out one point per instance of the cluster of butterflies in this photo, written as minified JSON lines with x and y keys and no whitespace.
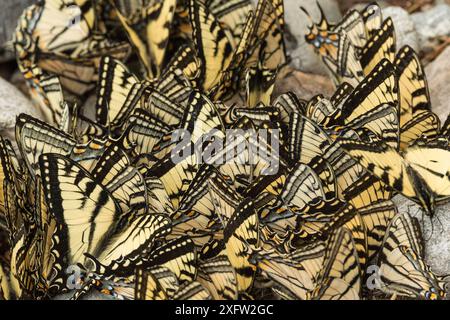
{"x":93,"y":200}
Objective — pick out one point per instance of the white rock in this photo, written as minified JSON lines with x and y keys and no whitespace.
{"x":438,"y":75}
{"x":405,"y":30}
{"x":432,"y":23}
{"x":436,"y":233}
{"x":303,"y":56}
{"x":13,"y":103}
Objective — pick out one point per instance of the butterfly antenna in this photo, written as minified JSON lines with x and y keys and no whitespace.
{"x":432,"y":226}
{"x":323,"y":19}
{"x":308,"y":16}
{"x":422,"y":222}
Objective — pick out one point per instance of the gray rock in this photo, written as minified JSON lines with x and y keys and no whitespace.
{"x":303,"y":56}
{"x":89,"y":106}
{"x":405,"y":30}
{"x":432,"y":23}
{"x":9,"y":14}
{"x":361,"y":6}
{"x":436,"y":233}
{"x":438,"y":75}
{"x":91,"y":295}
{"x":13,"y":103}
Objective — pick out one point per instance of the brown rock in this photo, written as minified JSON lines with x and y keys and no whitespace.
{"x":305,"y":85}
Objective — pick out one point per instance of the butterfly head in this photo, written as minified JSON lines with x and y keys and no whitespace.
{"x":428,"y":203}
{"x":426,"y":197}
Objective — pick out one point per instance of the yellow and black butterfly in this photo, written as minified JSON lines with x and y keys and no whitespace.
{"x":144,"y":131}
{"x":9,"y":286}
{"x":261,"y":47}
{"x":377,"y":89}
{"x":402,"y":269}
{"x":232,"y":76}
{"x":268,"y":36}
{"x":416,"y":118}
{"x":445,"y":129}
{"x":128,"y":244}
{"x":353,"y":25}
{"x":196,"y":215}
{"x":176,"y":176}
{"x":7,"y":180}
{"x":373,"y":18}
{"x":241,"y":234}
{"x":157,"y":283}
{"x":18,"y":281}
{"x":372,"y":200}
{"x":163,"y":108}
{"x":49,"y":88}
{"x":232,"y":14}
{"x":216,"y":273}
{"x":177,"y":255}
{"x":200,"y":119}
{"x":192,"y":291}
{"x":148,"y":30}
{"x":35,"y":137}
{"x":340,"y":277}
{"x":110,"y":238}
{"x":420,"y":173}
{"x":352,"y":48}
{"x":118,"y":93}
{"x":59,"y":37}
{"x":260,"y":84}
{"x":336,"y":49}
{"x":381,"y":45}
{"x":287,"y":104}
{"x":126,"y":184}
{"x":212,"y":44}
{"x":294,"y":275}
{"x":309,"y":143}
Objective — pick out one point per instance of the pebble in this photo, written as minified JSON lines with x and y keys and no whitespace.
{"x":304,"y":85}
{"x":432,"y":23}
{"x":405,"y":30}
{"x":13,"y":103}
{"x":438,"y":76}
